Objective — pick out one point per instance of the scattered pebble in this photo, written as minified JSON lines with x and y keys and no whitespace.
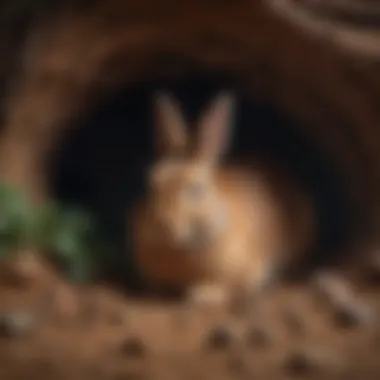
{"x":348,"y":310}
{"x":133,"y":347}
{"x":353,"y":314}
{"x":16,"y":323}
{"x":259,"y":338}
{"x":300,"y":363}
{"x":333,"y":288}
{"x":220,"y":337}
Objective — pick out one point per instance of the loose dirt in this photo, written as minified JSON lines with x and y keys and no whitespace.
{"x":52,"y":330}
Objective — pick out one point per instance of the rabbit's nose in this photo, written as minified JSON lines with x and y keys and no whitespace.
{"x":198,"y":236}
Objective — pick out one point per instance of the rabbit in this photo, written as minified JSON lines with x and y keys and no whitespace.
{"x":209,"y":228}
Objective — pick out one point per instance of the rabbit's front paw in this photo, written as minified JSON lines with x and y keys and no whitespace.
{"x":263,"y":277}
{"x":207,"y":295}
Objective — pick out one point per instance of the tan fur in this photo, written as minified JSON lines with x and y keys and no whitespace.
{"x":269,"y":221}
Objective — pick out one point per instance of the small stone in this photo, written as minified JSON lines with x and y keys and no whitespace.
{"x":300,"y":363}
{"x":220,"y":337}
{"x":332,"y":287}
{"x":258,"y":338}
{"x":133,"y":347}
{"x":16,"y":323}
{"x":353,"y":314}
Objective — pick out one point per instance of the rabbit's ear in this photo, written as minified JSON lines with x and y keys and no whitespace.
{"x":171,"y":135}
{"x":214,"y":128}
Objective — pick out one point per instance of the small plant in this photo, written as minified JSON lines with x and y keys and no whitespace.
{"x":18,"y":221}
{"x":68,"y":234}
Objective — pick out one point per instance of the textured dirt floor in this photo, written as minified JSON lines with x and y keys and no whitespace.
{"x":319,"y":330}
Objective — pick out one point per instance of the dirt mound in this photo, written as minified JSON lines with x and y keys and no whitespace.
{"x":52,"y":330}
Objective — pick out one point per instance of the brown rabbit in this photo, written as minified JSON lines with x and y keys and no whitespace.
{"x":210,"y":228}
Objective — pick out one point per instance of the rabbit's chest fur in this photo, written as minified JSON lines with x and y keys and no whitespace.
{"x":159,"y":261}
{"x":260,"y":233}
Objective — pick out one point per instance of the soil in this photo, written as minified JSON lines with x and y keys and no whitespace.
{"x":50,"y":329}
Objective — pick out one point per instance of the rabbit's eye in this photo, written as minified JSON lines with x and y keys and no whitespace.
{"x":195,"y":190}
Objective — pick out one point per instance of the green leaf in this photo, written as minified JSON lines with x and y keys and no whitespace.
{"x":67,"y":233}
{"x":80,"y":269}
{"x":70,"y":234}
{"x":18,"y":218}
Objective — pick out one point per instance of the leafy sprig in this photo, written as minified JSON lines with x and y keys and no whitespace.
{"x":70,"y":234}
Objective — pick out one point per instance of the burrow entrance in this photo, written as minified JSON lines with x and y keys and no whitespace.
{"x":101,"y":164}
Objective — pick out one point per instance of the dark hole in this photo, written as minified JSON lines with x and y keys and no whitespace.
{"x":103,"y":162}
{"x":215,"y":41}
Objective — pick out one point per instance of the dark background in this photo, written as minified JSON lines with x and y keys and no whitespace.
{"x":102,"y":163}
